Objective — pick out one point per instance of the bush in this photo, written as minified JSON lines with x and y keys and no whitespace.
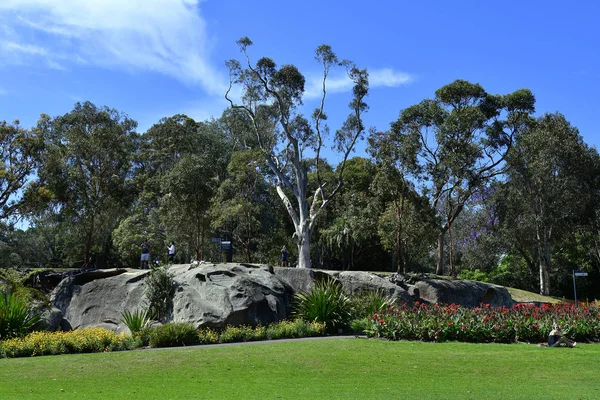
{"x":326,"y":303}
{"x":160,"y":293}
{"x":174,"y":334}
{"x":242,"y":334}
{"x":526,"y":323}
{"x":295,"y":329}
{"x":92,"y":340}
{"x":135,"y":321}
{"x":366,"y":304}
{"x":16,"y":317}
{"x":208,"y":336}
{"x":360,"y":326}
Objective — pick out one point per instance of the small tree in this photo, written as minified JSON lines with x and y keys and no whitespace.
{"x":270,"y":100}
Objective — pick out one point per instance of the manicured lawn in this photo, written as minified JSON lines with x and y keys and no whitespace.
{"x":319,"y":369}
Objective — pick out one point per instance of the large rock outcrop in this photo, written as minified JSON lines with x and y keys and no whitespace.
{"x":359,"y":282}
{"x":206,"y":295}
{"x":216,"y":295}
{"x":464,"y":293}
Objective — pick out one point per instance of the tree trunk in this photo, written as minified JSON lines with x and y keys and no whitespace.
{"x":401,"y":266}
{"x":544,"y":245}
{"x":303,"y":242}
{"x":88,"y":246}
{"x":439,"y":270}
{"x":452,"y":272}
{"x":544,"y":261}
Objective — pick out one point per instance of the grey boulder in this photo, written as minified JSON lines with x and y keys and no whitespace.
{"x":464,"y":293}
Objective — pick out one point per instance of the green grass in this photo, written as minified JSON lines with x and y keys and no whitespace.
{"x":523,"y":296}
{"x":320,"y":369}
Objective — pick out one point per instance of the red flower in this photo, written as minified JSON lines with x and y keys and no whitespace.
{"x":381,"y":322}
{"x":449,"y":323}
{"x":486,"y":319}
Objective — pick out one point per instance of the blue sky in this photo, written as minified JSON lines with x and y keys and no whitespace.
{"x":155,"y":58}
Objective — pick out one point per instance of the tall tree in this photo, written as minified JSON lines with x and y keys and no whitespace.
{"x":19,"y":149}
{"x":457,"y":142}
{"x":351,"y":236}
{"x":87,"y":167}
{"x":270,"y":100}
{"x":547,"y":187}
{"x":404,"y":212}
{"x":241,"y":205}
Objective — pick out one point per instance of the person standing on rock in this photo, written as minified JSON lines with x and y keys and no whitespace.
{"x":171,"y":250}
{"x":284,"y":260}
{"x":145,"y":254}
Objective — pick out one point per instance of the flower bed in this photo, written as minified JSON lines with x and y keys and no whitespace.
{"x":526,"y":323}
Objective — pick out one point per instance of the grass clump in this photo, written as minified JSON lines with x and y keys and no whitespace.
{"x":91,"y":340}
{"x":173,"y":334}
{"x":136,"y":320}
{"x":326,"y":302}
{"x":17,"y":318}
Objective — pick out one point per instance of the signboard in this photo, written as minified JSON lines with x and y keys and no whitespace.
{"x":216,"y":240}
{"x":225,"y":245}
{"x":577,"y":272}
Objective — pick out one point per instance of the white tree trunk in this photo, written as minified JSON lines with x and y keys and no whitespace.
{"x":544,"y":246}
{"x":304,"y":252}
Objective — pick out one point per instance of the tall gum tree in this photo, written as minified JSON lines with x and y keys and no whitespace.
{"x":86,"y":165}
{"x":457,"y":142}
{"x":270,"y":100}
{"x":547,"y":188}
{"x":19,"y":148}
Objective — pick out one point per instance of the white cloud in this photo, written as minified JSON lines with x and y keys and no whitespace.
{"x":378,"y":77}
{"x":387,"y":77}
{"x":166,"y":36}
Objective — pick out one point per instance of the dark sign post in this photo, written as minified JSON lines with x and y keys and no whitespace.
{"x":576,"y":273}
{"x":226,"y":247}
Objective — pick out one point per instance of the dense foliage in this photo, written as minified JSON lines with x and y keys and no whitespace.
{"x":525,"y":323}
{"x":327,"y":303}
{"x":95,"y":340}
{"x":91,"y":340}
{"x":16,"y":316}
{"x":466,"y":183}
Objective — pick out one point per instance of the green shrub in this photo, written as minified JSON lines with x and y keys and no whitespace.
{"x":523,"y":323}
{"x":143,"y":335}
{"x":174,"y":334}
{"x":360,"y":326}
{"x":91,"y":340}
{"x":366,"y":304}
{"x":295,"y":329}
{"x":326,"y":302}
{"x":16,"y":317}
{"x":136,"y":320}
{"x":208,"y":336}
{"x":160,"y":292}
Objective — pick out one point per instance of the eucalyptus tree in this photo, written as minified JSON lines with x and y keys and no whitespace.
{"x":457,"y":142}
{"x":405,"y":218}
{"x":86,"y":166}
{"x":179,"y":166}
{"x":351,"y":233}
{"x":241,"y":205}
{"x":548,"y":188}
{"x":270,"y":101}
{"x":19,"y":148}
